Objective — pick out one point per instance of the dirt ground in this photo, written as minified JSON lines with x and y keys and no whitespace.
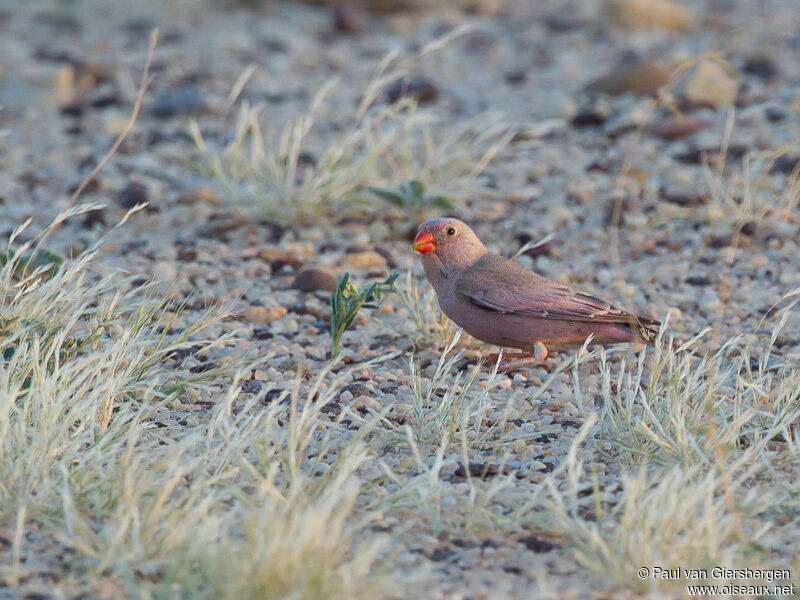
{"x":678,"y":204}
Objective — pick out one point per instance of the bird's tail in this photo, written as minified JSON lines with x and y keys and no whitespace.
{"x":646,"y":327}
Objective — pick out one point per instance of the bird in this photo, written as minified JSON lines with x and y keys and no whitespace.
{"x":500,"y":302}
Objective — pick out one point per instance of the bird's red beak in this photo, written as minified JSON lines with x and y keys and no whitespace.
{"x":424,"y":243}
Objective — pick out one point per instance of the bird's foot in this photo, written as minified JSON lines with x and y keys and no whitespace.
{"x":514,"y":360}
{"x":508,"y":357}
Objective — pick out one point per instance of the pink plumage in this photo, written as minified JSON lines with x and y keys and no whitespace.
{"x":500,"y":302}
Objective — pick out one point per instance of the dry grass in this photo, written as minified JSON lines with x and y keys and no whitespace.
{"x":425,"y":324}
{"x":281,"y":525}
{"x":377,"y":145}
{"x":710,"y":440}
{"x":275,"y":498}
{"x":246,"y":503}
{"x":684,"y":404}
{"x":451,"y":408}
{"x":691,"y":460}
{"x":673,"y":517}
{"x":707,"y":444}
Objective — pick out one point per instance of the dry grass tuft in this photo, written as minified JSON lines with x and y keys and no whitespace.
{"x":426,"y":323}
{"x":667,"y":517}
{"x":377,"y":145}
{"x":710,"y":440}
{"x":683,"y":404}
{"x":96,"y":448}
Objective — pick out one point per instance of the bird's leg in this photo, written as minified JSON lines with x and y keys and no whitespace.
{"x":515,"y":360}
{"x":491,"y":359}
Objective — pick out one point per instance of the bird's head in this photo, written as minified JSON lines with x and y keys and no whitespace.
{"x":451,"y":240}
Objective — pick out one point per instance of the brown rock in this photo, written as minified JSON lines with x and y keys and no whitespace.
{"x":64,"y":87}
{"x":590,"y":117}
{"x":642,"y":78}
{"x":673,"y":128}
{"x":165,"y":272}
{"x":710,"y":83}
{"x":255,"y":314}
{"x":785,"y":164}
{"x":278,"y":258}
{"x":418,"y":87}
{"x":261,"y":314}
{"x":762,"y":65}
{"x":179,"y":102}
{"x":346,"y":17}
{"x":683,"y":199}
{"x":94,"y":217}
{"x":222,"y":223}
{"x":202,"y":193}
{"x":540,"y":250}
{"x":648,"y":14}
{"x":313,"y":280}
{"x":277,"y":312}
{"x":366,"y":260}
{"x":133,"y":194}
{"x":699,"y":155}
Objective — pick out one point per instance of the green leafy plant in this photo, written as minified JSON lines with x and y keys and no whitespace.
{"x":411,"y":197}
{"x":347,"y":300}
{"x":39,"y":261}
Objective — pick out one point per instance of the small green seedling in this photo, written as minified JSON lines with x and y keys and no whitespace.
{"x":412,"y":198}
{"x":347,"y":300}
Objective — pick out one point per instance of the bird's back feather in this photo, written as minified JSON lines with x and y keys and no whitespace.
{"x":498,"y":284}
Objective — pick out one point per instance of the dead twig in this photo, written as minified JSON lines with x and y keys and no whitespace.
{"x":137,"y":105}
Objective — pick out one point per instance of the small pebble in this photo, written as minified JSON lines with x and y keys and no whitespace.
{"x":203,"y":194}
{"x":346,"y":17}
{"x":181,"y":101}
{"x":261,"y":314}
{"x":132,"y":194}
{"x":312,"y":280}
{"x":418,"y":87}
{"x":366,"y":260}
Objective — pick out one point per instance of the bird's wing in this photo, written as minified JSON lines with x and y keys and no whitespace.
{"x":501,"y":285}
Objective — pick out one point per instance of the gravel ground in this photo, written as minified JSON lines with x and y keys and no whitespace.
{"x":68,"y":78}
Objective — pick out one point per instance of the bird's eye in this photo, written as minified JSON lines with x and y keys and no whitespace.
{"x":451,"y":231}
